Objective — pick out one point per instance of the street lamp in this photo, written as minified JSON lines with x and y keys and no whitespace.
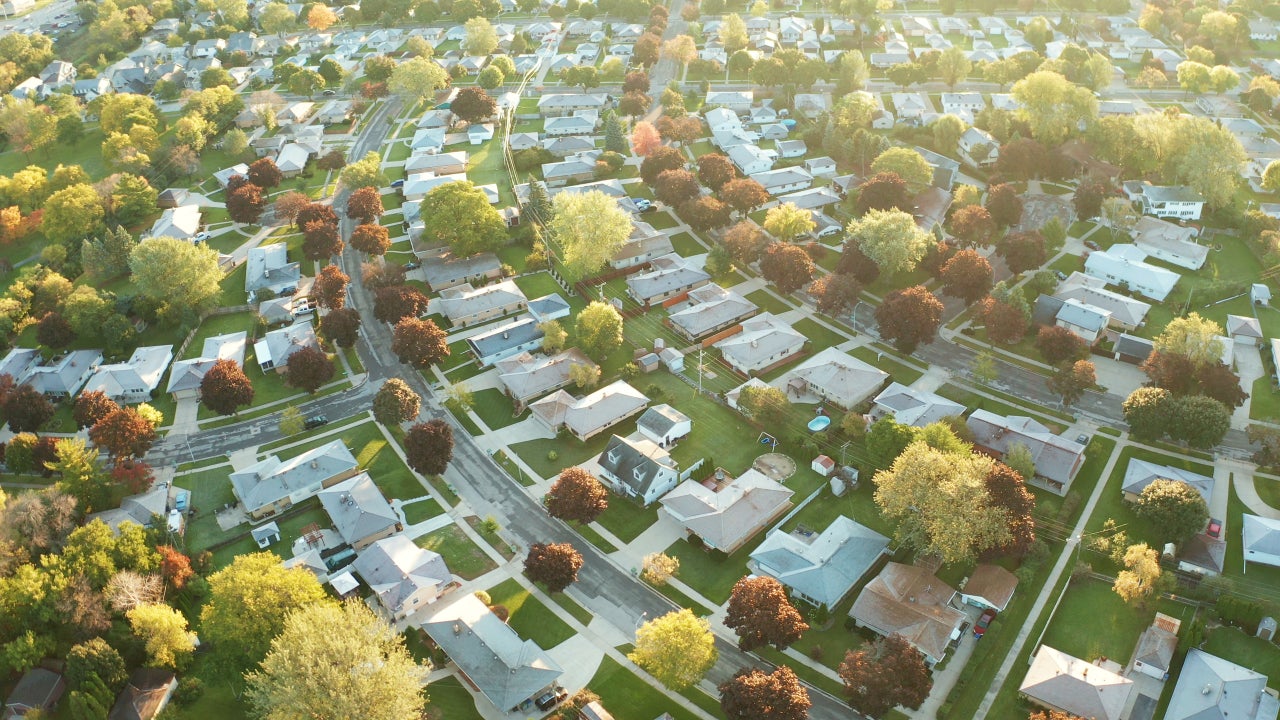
{"x":640,"y":620}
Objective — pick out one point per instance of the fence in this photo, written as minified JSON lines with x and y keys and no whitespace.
{"x":182,"y":349}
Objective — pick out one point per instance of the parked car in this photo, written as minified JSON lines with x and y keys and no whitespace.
{"x":643,"y":204}
{"x":397,"y":184}
{"x":315,"y":421}
{"x":330,"y":93}
{"x":551,"y":698}
{"x":984,"y":621}
{"x":412,"y":265}
{"x":1092,"y":245}
{"x":1215,"y":528}
{"x":1082,"y":439}
{"x":201,"y":237}
{"x":1061,"y":275}
{"x":958,"y":635}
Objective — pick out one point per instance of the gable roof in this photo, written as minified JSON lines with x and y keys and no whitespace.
{"x":710,"y":306}
{"x":1242,"y":326}
{"x":916,"y":407}
{"x":1091,"y":290}
{"x":1261,"y":535}
{"x":1061,"y":681}
{"x":1158,"y":643}
{"x":586,"y":415}
{"x":1141,"y":473}
{"x":670,"y":273}
{"x":395,"y":569}
{"x":142,"y":372}
{"x":269,"y":266}
{"x":145,"y":696}
{"x":358,"y":509}
{"x":1056,"y":457}
{"x":181,"y":222}
{"x":822,"y":568}
{"x":636,"y":463}
{"x":269,"y":479}
{"x":527,"y":376}
{"x":992,"y":583}
{"x":38,"y":688}
{"x":464,"y":301}
{"x":1211,"y":688}
{"x":276,"y":346}
{"x":138,"y":509}
{"x":660,"y":419}
{"x":912,"y":602}
{"x":762,"y":336}
{"x":726,"y":518}
{"x":505,"y":336}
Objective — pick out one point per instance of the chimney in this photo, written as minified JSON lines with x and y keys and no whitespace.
{"x":506,"y":335}
{"x":315,"y":464}
{"x":457,"y":629}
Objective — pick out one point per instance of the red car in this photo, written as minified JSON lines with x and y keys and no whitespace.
{"x":984,"y":621}
{"x":1215,"y":529}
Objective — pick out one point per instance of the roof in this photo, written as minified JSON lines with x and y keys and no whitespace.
{"x":1061,"y":681}
{"x":1056,"y":457}
{"x":726,"y":518}
{"x":670,"y":273}
{"x":1092,"y":290}
{"x":992,"y":583}
{"x":358,"y":509}
{"x":142,"y":372}
{"x":916,"y":407}
{"x":38,"y":688}
{"x":1125,"y":265}
{"x":1243,"y":326}
{"x":180,"y":222}
{"x":448,"y":270}
{"x":1161,"y":236}
{"x":763,"y":336}
{"x":1210,"y":688}
{"x":276,"y":346}
{"x":1157,"y":643}
{"x":506,"y":336}
{"x":636,"y":463}
{"x":1171,"y":193}
{"x":396,"y":569}
{"x":528,"y":376}
{"x":1140,"y":473}
{"x":464,"y":301}
{"x":710,"y":307}
{"x":823,"y":568}
{"x":292,"y":158}
{"x":269,"y":266}
{"x":1083,"y":315}
{"x":138,"y":508}
{"x":1133,"y":346}
{"x":660,"y":419}
{"x":1261,"y":535}
{"x":912,"y":602}
{"x":587,"y":415}
{"x":505,"y":668}
{"x":840,"y":376}
{"x":270,"y":479}
{"x":145,"y":696}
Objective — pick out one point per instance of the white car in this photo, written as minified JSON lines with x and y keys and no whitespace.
{"x":200,"y":237}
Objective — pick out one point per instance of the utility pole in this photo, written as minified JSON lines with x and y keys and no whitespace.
{"x":701,"y":351}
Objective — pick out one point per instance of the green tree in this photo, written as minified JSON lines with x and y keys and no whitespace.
{"x":248,"y":603}
{"x":277,"y":18}
{"x":481,"y":39}
{"x":417,"y":79}
{"x":1197,"y":420}
{"x":1052,"y":106}
{"x":907,"y":164}
{"x":788,"y":222}
{"x":678,"y":649}
{"x":180,"y":277}
{"x":599,"y":330}
{"x":291,"y":421}
{"x":954,"y":65}
{"x":946,"y":133}
{"x":1175,"y":508}
{"x":891,"y":239}
{"x":459,"y":215}
{"x":395,"y":403}
{"x":886,"y":439}
{"x":765,"y":404}
{"x":1193,"y":337}
{"x":71,"y":214}
{"x":587,"y":229}
{"x":132,"y":199}
{"x":365,"y":172}
{"x":615,"y":140}
{"x":164,"y":632}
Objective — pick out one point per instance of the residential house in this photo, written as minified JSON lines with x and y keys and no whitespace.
{"x":1058,"y":681}
{"x":133,"y":381}
{"x":1177,"y":201}
{"x":664,"y":425}
{"x":63,"y":376}
{"x":1261,"y":540}
{"x":145,"y":696}
{"x":910,"y":406}
{"x":763,"y":342}
{"x":911,"y":105}
{"x":556,"y":104}
{"x":58,"y":73}
{"x":1057,"y":459}
{"x":1211,"y":687}
{"x":728,"y":514}
{"x":466,"y":306}
{"x":417,"y":185}
{"x":1085,"y":321}
{"x":295,"y":113}
{"x":271,"y":485}
{"x":836,"y":377}
{"x":710,"y":309}
{"x":750,"y":159}
{"x":644,"y":245}
{"x":636,"y":467}
{"x":548,"y":307}
{"x":491,"y":657}
{"x":1126,"y":313}
{"x":945,"y":170}
{"x":479,"y":133}
{"x":38,"y":689}
{"x":563,"y":147}
{"x":592,"y":414}
{"x":404,"y":577}
{"x":668,"y":276}
{"x":223,"y":177}
{"x":1153,"y":656}
{"x":978,"y":147}
{"x":1242,"y":329}
{"x":359,"y":512}
{"x":820,"y":166}
{"x":820,"y":568}
{"x":1169,"y":242}
{"x":446,"y":271}
{"x":181,"y":222}
{"x":267,"y":267}
{"x":989,"y":586}
{"x":1141,"y":473}
{"x":964,"y":105}
{"x":139,"y":509}
{"x":571,"y":170}
{"x":791,"y":148}
{"x":1124,"y":265}
{"x":32,"y":88}
{"x":451,"y":163}
{"x":526,"y":377}
{"x":735,"y":100}
{"x":292,"y":159}
{"x":506,"y":340}
{"x":570,"y":125}
{"x":275,"y":347}
{"x":910,"y":601}
{"x":427,"y":140}
{"x":784,"y":180}
{"x":91,"y":89}
{"x":207,"y":48}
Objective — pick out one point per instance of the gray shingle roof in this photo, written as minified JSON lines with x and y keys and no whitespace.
{"x":270,"y":479}
{"x":659,"y":419}
{"x":825,"y":567}
{"x":1210,"y":688}
{"x":396,"y":569}
{"x":635,"y":464}
{"x":1081,"y":688}
{"x":358,"y":509}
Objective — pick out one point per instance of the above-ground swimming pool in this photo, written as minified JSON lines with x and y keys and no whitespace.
{"x":819,"y":423}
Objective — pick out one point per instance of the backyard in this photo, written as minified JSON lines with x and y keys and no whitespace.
{"x":1092,"y":603}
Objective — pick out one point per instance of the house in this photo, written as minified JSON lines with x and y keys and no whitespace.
{"x":566,"y":146}
{"x":644,"y":244}
{"x":1261,"y":540}
{"x":292,"y":159}
{"x":63,"y":376}
{"x":912,"y":602}
{"x":548,"y":307}
{"x":31,"y":88}
{"x":1132,"y":349}
{"x":910,"y":406}
{"x":792,"y":149}
{"x":1141,"y":473}
{"x":181,"y":222}
{"x":446,"y":271}
{"x":404,"y":577}
{"x":591,"y":415}
{"x":271,"y":485}
{"x":274,"y":349}
{"x":709,"y":310}
{"x":506,"y":340}
{"x":836,"y":377}
{"x":417,"y":185}
{"x":669,"y":276}
{"x":39,"y":689}
{"x":1125,"y":313}
{"x":572,"y":170}
{"x":1169,"y":242}
{"x":359,"y":512}
{"x":1166,"y":201}
{"x":722,"y":119}
{"x":427,"y":140}
{"x":638,"y":468}
{"x":295,"y":113}
{"x":945,"y":170}
{"x":820,"y":166}
{"x":224,"y":176}
{"x":568,"y":125}
{"x":978,"y":147}
{"x":1057,"y":459}
{"x":526,"y":377}
{"x":451,"y":163}
{"x":911,"y":105}
{"x":57,"y":73}
{"x":989,"y":586}
{"x":726,"y":515}
{"x":1153,"y":655}
{"x":1210,"y":687}
{"x":140,"y":509}
{"x":764,"y":341}
{"x":664,"y":425}
{"x":750,"y":159}
{"x":1058,"y":681}
{"x":133,"y":381}
{"x":821,"y":568}
{"x":811,"y":105}
{"x":1085,"y":321}
{"x":556,"y":104}
{"x":1123,"y":265}
{"x":466,"y":306}
{"x":92,"y":89}
{"x":147,"y":694}
{"x":267,"y":267}
{"x":1246,"y":330}
{"x":784,"y":180}
{"x":964,"y":105}
{"x":479,"y":133}
{"x":491,"y":657}
{"x":735,"y":100}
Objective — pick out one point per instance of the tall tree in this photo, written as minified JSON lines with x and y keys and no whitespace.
{"x":1193,"y":337}
{"x":1022,"y":251}
{"x":265,"y":174}
{"x":1146,"y":412}
{"x":1007,"y":490}
{"x":752,"y":694}
{"x":308,"y":369}
{"x":788,"y":267}
{"x":906,"y":164}
{"x":330,"y":288}
{"x":372,"y":239}
{"x":124,"y":433}
{"x":365,"y":172}
{"x":481,"y":39}
{"x":177,"y":275}
{"x":714,"y":170}
{"x":458,"y":214}
{"x":1052,"y":106}
{"x":321,"y":241}
{"x":577,"y":496}
{"x":1176,"y":509}
{"x":677,"y":649}
{"x":891,"y":239}
{"x":473,"y":105}
{"x":417,"y":79}
{"x":163,"y":630}
{"x":395,"y":403}
{"x":554,"y":565}
{"x":744,"y":194}
{"x":909,"y":317}
{"x":420,"y":343}
{"x":248,"y":603}
{"x":341,"y":326}
{"x":225,"y":388}
{"x":888,"y":673}
{"x":882,"y":191}
{"x":676,"y":186}
{"x":1070,"y":381}
{"x":973,"y":226}
{"x":1197,"y":420}
{"x":761,"y":614}
{"x":92,"y":406}
{"x":1142,"y":571}
{"x":365,"y":205}
{"x":245,"y":203}
{"x":394,"y":303}
{"x":428,"y":447}
{"x":967,"y":275}
{"x":787,"y":222}
{"x":599,"y":329}
{"x":835,"y":293}
{"x":1058,"y":345}
{"x":657,"y":160}
{"x":645,"y":138}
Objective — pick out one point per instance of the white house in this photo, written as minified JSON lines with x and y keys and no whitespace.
{"x":784,"y":180}
{"x":836,"y":377}
{"x":750,"y":159}
{"x":989,"y":586}
{"x":1261,"y":540}
{"x":979,"y":147}
{"x":133,"y":381}
{"x":1123,"y":265}
{"x":636,"y":467}
{"x":735,"y":100}
{"x":1166,"y":201}
{"x":664,"y":425}
{"x":763,"y":342}
{"x":1156,"y":647}
{"x":1170,"y":242}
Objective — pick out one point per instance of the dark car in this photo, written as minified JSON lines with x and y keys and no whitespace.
{"x":984,"y":621}
{"x":955,"y":639}
{"x":1215,"y":528}
{"x":330,"y":93}
{"x":551,"y":698}
{"x":397,"y":184}
{"x":412,"y":265}
{"x":1092,"y":245}
{"x":315,"y":421}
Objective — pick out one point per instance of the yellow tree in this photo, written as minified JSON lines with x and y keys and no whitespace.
{"x":321,"y":18}
{"x":163,"y":630}
{"x":1142,"y":569}
{"x":677,"y":648}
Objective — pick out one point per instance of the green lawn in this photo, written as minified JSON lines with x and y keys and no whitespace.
{"x":582,"y":614}
{"x":464,"y":557}
{"x":627,"y":697}
{"x":1254,"y":653}
{"x":661,"y":220}
{"x":495,"y":408}
{"x":1092,"y":603}
{"x":1264,"y":401}
{"x":769,"y":302}
{"x":713,"y":578}
{"x":530,"y":618}
{"x":686,"y":245}
{"x":626,"y":519}
{"x":820,"y":335}
{"x":898,"y":370}
{"x":221,"y":325}
{"x":1268,"y":490}
{"x":219,"y":698}
{"x":448,"y":697}
{"x":420,"y":510}
{"x":1112,"y":505}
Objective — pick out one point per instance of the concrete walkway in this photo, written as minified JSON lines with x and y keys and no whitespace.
{"x":1248,"y":360}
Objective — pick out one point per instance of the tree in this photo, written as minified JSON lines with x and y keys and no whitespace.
{"x":481,"y":39}
{"x":371,"y":239}
{"x":835,"y":293}
{"x":458,"y":214}
{"x":907,"y":164}
{"x":473,"y":104}
{"x":599,"y":330}
{"x":1146,"y":412}
{"x":1193,"y":76}
{"x":577,"y":496}
{"x":752,"y":694}
{"x":967,"y":275}
{"x":420,"y":343}
{"x":53,"y":331}
{"x":1007,"y":490}
{"x":175,"y":567}
{"x":787,"y":222}
{"x":973,"y":226}
{"x":715,"y":170}
{"x":657,"y":160}
{"x":245,"y":203}
{"x":1197,"y":420}
{"x":1070,"y":381}
{"x":1192,"y":337}
{"x":330,"y":288}
{"x":891,"y":239}
{"x":767,"y":405}
{"x":1052,"y":106}
{"x":264,"y":173}
{"x":321,"y":241}
{"x":395,"y":403}
{"x":889,"y":673}
{"x":954,"y":66}
{"x":308,"y":369}
{"x":393,"y":304}
{"x":589,"y":228}
{"x":132,"y":200}
{"x":365,"y":205}
{"x":71,"y":213}
{"x":341,"y":326}
{"x":788,"y":267}
{"x":365,"y":172}
{"x":1004,"y":205}
{"x":95,"y":659}
{"x":1174,"y":507}
{"x":657,"y":568}
{"x":1088,"y":198}
{"x":947,"y":131}
{"x":882,"y":191}
{"x":490,"y":78}
{"x":681,"y":49}
{"x":225,"y":388}
{"x":417,"y":79}
{"x":677,"y":649}
{"x":745,"y":242}
{"x":163,"y":630}
{"x":178,"y":276}
{"x":761,"y":614}
{"x":378,"y":68}
{"x":554,"y":565}
{"x":553,"y":336}
{"x":615,"y":139}
{"x":90,"y":407}
{"x":124,"y":433}
{"x":289,"y":204}
{"x":338,"y":661}
{"x":428,"y":447}
{"x":1022,"y":251}
{"x":248,"y":603}
{"x":584,"y":76}
{"x":744,"y":194}
{"x":1058,"y":345}
{"x":291,"y":421}
{"x":676,"y":186}
{"x":909,"y":317}
{"x":1142,"y":569}
{"x":645,"y":139}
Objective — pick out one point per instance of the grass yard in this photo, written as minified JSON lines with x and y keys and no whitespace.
{"x":589,"y":533}
{"x":530,"y":618}
{"x":451,"y":700}
{"x":568,"y":604}
{"x":626,"y":519}
{"x":495,"y":408}
{"x":769,"y":302}
{"x":898,"y":370}
{"x":1254,"y":653}
{"x":466,"y":559}
{"x":1092,"y":603}
{"x":821,"y":335}
{"x":713,"y":578}
{"x":219,"y":697}
{"x":549,"y":457}
{"x":627,"y":697}
{"x":1268,"y":490}
{"x":222,"y":325}
{"x":421,"y":510}
{"x":686,"y":245}
{"x":662,"y":220}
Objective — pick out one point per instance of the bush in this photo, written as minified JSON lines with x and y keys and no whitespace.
{"x":817,"y":653}
{"x":483,"y":597}
{"x":189,"y":690}
{"x":1244,"y":614}
{"x":552,"y":455}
